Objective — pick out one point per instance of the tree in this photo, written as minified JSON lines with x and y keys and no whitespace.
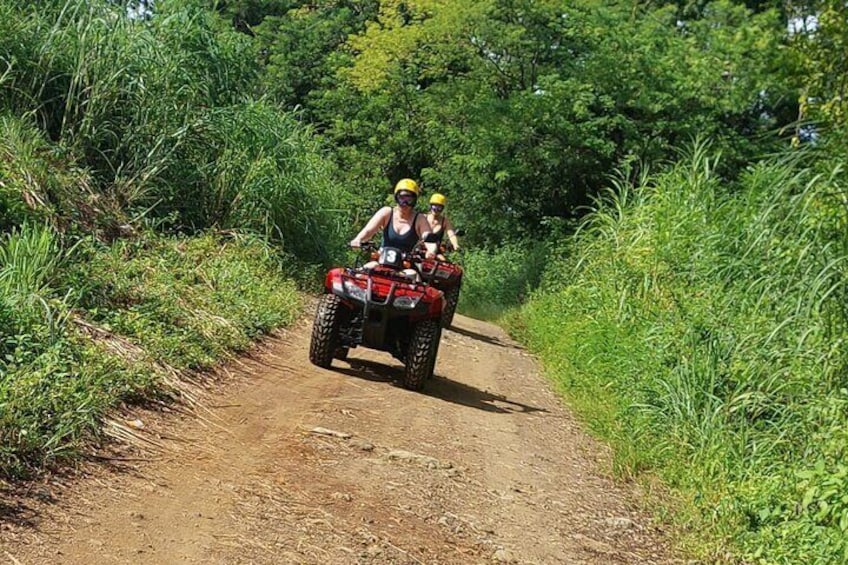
{"x":299,"y":48}
{"x":821,"y":44}
{"x":522,"y":107}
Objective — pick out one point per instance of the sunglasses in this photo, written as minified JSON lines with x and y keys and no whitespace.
{"x":406,"y":198}
{"x":436,"y":207}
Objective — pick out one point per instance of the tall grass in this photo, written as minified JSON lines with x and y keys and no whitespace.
{"x":33,"y":337}
{"x":112,"y":131}
{"x":701,"y":328}
{"x":191,"y":301}
{"x":29,"y":261}
{"x":28,"y":258}
{"x":266,"y":174}
{"x":497,"y":280}
{"x":161,"y":116}
{"x":137,"y":306}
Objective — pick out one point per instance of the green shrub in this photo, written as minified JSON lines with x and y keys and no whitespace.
{"x":185,"y":303}
{"x":700,"y":328}
{"x":52,"y":399}
{"x":497,"y":280}
{"x":188,"y":300}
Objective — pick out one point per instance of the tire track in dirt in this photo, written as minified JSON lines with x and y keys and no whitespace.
{"x":483,"y":466}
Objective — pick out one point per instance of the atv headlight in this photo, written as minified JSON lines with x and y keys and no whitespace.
{"x":355,"y":291}
{"x":406,"y":302}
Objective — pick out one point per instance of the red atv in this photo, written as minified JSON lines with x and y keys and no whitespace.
{"x":384,"y":305}
{"x":447,"y":277}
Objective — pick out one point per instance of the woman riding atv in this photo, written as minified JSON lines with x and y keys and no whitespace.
{"x":439,"y":223}
{"x":403,"y":226}
{"x":385,"y":305}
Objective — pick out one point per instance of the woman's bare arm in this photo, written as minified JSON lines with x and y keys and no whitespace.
{"x":451,"y":234}
{"x":375,"y":224}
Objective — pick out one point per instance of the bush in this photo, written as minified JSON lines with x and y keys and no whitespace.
{"x":496,"y":280}
{"x":79,"y":339}
{"x":187,"y":300}
{"x":699,"y":328}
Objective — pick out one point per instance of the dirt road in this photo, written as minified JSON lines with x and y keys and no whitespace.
{"x":294,"y":464}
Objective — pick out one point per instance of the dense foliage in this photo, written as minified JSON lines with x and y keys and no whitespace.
{"x":520,"y":108}
{"x":120,"y":137}
{"x":699,"y":326}
{"x":497,"y":281}
{"x":161,"y":161}
{"x":156,"y":119}
{"x":85,"y":329}
{"x":821,"y":38}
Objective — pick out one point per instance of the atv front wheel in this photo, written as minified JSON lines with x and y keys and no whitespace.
{"x":451,"y":300}
{"x":325,"y":330}
{"x":421,"y":356}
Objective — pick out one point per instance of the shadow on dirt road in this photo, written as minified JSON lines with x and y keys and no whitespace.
{"x":491,"y":340}
{"x":440,"y":387}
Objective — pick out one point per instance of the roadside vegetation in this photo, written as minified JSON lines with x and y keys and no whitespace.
{"x":497,"y":281}
{"x":697,"y":322}
{"x":174,"y":173}
{"x":699,"y":325}
{"x":88,"y":327}
{"x":155,"y":213}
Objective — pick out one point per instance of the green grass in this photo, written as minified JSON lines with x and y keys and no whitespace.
{"x":495,"y":281}
{"x":81,"y":334}
{"x":153,"y":213}
{"x":190,"y":301}
{"x":154,"y":122}
{"x":700,"y":328}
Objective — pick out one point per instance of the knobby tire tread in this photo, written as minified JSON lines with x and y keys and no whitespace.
{"x":325,"y":331}
{"x":421,"y":359}
{"x":451,"y":301}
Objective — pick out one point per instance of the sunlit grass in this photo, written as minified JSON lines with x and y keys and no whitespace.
{"x":77,"y":340}
{"x":497,"y":280}
{"x":158,"y":123}
{"x":700,"y":327}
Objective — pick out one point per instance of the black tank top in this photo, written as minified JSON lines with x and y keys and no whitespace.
{"x":403,"y":242}
{"x":437,"y":236}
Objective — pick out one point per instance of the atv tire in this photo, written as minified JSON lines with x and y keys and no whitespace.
{"x":451,"y":300}
{"x":421,"y":355}
{"x":325,"y":331}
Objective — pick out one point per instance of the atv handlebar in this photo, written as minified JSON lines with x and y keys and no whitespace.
{"x":366,"y":246}
{"x":417,"y":253}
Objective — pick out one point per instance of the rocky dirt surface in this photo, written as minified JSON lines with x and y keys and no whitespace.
{"x":282,"y":462}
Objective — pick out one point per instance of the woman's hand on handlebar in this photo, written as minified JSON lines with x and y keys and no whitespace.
{"x":363,"y":245}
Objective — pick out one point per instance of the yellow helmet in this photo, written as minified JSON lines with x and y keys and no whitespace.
{"x":438,"y":199}
{"x":408,"y":185}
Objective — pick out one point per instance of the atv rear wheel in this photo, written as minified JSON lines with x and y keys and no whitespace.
{"x":451,"y":300}
{"x":325,"y":330}
{"x":421,"y":355}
